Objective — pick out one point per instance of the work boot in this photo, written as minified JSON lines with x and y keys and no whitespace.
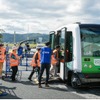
{"x":46,"y":85}
{"x":29,"y":79}
{"x":51,"y":75}
{"x":3,"y":78}
{"x":39,"y":86}
{"x":0,"y":81}
{"x":14,"y":80}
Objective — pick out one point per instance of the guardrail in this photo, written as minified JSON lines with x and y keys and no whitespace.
{"x":8,"y":70}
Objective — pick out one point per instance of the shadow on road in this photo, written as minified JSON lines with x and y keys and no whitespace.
{"x":10,"y":93}
{"x":85,"y":89}
{"x":92,"y":90}
{"x":21,"y":82}
{"x":57,"y":88}
{"x":59,"y":85}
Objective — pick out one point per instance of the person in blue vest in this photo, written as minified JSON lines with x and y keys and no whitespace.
{"x":7,"y":49}
{"x":45,"y":60}
{"x":20,"y":53}
{"x":20,"y":50}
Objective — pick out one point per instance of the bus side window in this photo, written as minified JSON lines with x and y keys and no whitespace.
{"x":69,"y":49}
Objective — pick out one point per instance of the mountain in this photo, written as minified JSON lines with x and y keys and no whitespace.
{"x":21,"y":37}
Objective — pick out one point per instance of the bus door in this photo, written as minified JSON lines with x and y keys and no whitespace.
{"x":62,"y":43}
{"x":57,"y":39}
{"x":66,"y":52}
{"x":68,"y":55}
{"x":52,"y":39}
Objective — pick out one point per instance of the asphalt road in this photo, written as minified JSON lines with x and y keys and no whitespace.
{"x":24,"y":89}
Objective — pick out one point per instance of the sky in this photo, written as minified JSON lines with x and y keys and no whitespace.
{"x":43,"y":16}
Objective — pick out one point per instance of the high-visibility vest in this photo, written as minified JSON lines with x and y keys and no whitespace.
{"x":33,"y":64}
{"x":14,"y":61}
{"x":2,"y":54}
{"x":53,"y":60}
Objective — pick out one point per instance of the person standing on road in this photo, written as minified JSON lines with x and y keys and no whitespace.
{"x":55,"y":61}
{"x":35,"y":63}
{"x":20,"y":50}
{"x":2,"y":59}
{"x":27,"y":48}
{"x":20,"y":53}
{"x":45,"y":58}
{"x":14,"y":62}
{"x":7,"y":49}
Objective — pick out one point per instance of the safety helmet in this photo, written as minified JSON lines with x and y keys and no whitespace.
{"x":14,"y":48}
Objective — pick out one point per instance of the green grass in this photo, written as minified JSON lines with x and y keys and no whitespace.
{"x":11,"y":45}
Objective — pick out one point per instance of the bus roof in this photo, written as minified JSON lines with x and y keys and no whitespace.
{"x":89,"y":25}
{"x":77,"y":25}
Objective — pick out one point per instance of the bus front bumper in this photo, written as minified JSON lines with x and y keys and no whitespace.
{"x":89,"y":78}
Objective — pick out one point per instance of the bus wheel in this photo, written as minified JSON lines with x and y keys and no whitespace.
{"x":74,"y":80}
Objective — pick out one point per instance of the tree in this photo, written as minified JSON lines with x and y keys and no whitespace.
{"x":1,"y":36}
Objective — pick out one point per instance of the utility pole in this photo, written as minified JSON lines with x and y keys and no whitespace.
{"x":14,"y":37}
{"x":27,"y":33}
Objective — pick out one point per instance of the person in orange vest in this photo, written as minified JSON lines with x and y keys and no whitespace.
{"x":55,"y":61}
{"x":14,"y":62}
{"x":35,"y":63}
{"x":2,"y":58}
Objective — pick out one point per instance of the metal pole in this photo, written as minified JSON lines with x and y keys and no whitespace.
{"x":27,"y":33}
{"x":14,"y":37}
{"x":26,"y":62}
{"x":7,"y":65}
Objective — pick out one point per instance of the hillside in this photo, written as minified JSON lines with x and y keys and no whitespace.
{"x":21,"y":37}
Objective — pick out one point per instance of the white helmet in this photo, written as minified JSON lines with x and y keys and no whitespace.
{"x":14,"y":48}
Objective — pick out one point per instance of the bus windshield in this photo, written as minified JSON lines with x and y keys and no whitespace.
{"x":90,"y":41}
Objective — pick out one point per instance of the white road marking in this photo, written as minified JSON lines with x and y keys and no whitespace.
{"x":84,"y":94}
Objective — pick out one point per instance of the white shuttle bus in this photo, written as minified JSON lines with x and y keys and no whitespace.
{"x":80,"y":53}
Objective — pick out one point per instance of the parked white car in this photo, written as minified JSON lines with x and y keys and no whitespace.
{"x":40,"y":45}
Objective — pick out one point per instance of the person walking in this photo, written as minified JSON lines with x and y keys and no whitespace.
{"x":35,"y":63}
{"x":2,"y":58}
{"x":55,"y":61}
{"x":14,"y":62}
{"x":45,"y":58}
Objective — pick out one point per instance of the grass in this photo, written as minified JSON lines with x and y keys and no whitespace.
{"x":11,"y":45}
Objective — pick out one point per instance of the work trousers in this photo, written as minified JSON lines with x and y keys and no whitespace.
{"x":43,"y":67}
{"x":34,"y":68}
{"x":1,"y":67}
{"x":14,"y":72}
{"x":53,"y":70}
